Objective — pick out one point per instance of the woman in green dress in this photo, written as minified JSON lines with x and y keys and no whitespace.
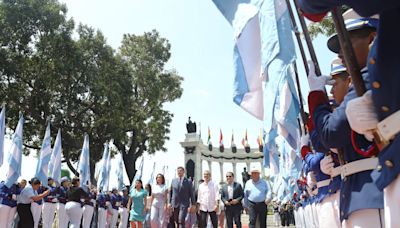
{"x":137,"y":205}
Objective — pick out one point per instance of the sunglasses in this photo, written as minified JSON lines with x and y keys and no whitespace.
{"x":228,"y":176}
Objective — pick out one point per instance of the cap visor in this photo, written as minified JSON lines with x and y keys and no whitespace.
{"x":333,"y":44}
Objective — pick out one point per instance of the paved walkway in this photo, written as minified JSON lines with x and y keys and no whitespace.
{"x":270,"y":221}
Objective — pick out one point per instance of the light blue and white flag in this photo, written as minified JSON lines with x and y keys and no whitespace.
{"x":151,"y":179}
{"x":139,"y":171}
{"x":44,"y":158}
{"x":55,"y":159}
{"x":103,"y":181}
{"x":15,"y":155}
{"x":2,"y":133}
{"x":84,"y":163}
{"x":120,"y":172}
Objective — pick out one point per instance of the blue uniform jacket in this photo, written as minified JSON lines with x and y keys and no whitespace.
{"x":6,"y":194}
{"x":384,"y":58}
{"x":102,"y":199}
{"x":124,"y":201}
{"x":114,"y":199}
{"x":53,"y":194}
{"x":88,"y":200}
{"x":335,"y":132}
{"x":62,"y":195}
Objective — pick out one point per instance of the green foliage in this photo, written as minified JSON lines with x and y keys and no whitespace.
{"x":325,"y":27}
{"x":83,"y":84}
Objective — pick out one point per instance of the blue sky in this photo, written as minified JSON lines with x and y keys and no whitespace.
{"x":201,"y":46}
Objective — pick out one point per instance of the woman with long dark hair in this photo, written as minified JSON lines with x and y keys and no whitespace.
{"x":159,"y":203}
{"x":28,"y":195}
{"x":137,"y":205}
{"x":73,"y":207}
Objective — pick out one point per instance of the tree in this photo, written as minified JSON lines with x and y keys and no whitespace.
{"x":83,"y":85}
{"x":325,"y":27}
{"x":147,"y":123}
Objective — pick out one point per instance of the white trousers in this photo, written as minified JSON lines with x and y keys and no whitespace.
{"x":36,"y":212}
{"x":157,"y":217}
{"x":365,"y":218}
{"x":328,"y":212}
{"x":114,"y":218}
{"x":4,"y":215}
{"x":74,"y":212}
{"x":315,"y":214}
{"x":87,"y":214}
{"x":301,"y":217}
{"x":276,"y":219}
{"x":62,"y":216}
{"x":11,"y":216}
{"x":308,"y":216}
{"x":123,"y":213}
{"x":48,"y":211}
{"x":102,"y":213}
{"x":391,"y":197}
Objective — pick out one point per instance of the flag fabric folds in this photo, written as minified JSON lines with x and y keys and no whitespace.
{"x":15,"y":155}
{"x":84,"y":163}
{"x":245,"y":141}
{"x":209,"y":136}
{"x":120,"y":172}
{"x":103,"y":181}
{"x":151,"y":179}
{"x":44,"y":159}
{"x":55,"y":159}
{"x":139,"y":171}
{"x":2,"y":133}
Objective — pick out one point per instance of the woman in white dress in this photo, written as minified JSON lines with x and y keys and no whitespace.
{"x":159,"y":203}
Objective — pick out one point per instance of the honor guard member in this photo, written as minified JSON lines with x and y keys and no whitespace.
{"x":123,"y":210}
{"x":49,"y":205}
{"x":115,"y":201}
{"x":102,"y":209}
{"x":334,"y":131}
{"x":89,"y":204}
{"x":8,"y":203}
{"x":62,"y":200}
{"x":36,"y":208}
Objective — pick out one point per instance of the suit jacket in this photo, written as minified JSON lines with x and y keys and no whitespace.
{"x":237,"y":194}
{"x":182,"y":196}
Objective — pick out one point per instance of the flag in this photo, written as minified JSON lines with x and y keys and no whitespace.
{"x":84,"y":163}
{"x":221,"y":138}
{"x":55,"y":160}
{"x":245,"y":141}
{"x":244,"y":18}
{"x":15,"y":155}
{"x":120,"y":172}
{"x":260,"y":138}
{"x":44,"y":159}
{"x":139,"y":171}
{"x":2,"y":132}
{"x":151,"y":179}
{"x":104,"y":175}
{"x":209,"y":136}
{"x":232,"y":141}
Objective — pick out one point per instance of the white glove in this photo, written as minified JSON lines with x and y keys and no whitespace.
{"x":14,"y":197}
{"x":54,"y":200}
{"x":108,"y":203}
{"x":334,"y":150}
{"x":361,"y":115}
{"x":318,"y":82}
{"x":93,"y":201}
{"x":305,"y":139}
{"x":117,"y":204}
{"x":326,"y":165}
{"x":311,"y":180}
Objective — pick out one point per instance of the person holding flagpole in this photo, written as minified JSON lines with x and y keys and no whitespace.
{"x":49,"y":205}
{"x":123,"y":210}
{"x":73,"y":206}
{"x":8,"y":203}
{"x":88,"y":208}
{"x":62,"y":200}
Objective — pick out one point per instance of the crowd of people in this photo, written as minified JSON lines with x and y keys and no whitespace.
{"x":181,"y":204}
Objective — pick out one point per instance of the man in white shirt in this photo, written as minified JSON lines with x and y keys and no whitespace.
{"x":208,"y":201}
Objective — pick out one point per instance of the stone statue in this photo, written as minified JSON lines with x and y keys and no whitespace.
{"x":245,"y":176}
{"x":191,"y":126}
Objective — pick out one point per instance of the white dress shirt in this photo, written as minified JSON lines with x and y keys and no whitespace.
{"x":208,"y":196}
{"x":230,"y":191}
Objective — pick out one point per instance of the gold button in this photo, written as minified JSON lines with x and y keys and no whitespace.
{"x":372,"y":61}
{"x":385,"y":108}
{"x":389,"y":164}
{"x":379,"y":168}
{"x":376,"y":85}
{"x":330,"y":190}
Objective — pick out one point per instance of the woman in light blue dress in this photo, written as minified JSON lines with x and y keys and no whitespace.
{"x":137,"y":205}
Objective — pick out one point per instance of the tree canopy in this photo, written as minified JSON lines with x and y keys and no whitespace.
{"x":82,"y":84}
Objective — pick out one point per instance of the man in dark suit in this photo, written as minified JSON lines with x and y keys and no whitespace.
{"x":232,"y":195}
{"x":181,"y":198}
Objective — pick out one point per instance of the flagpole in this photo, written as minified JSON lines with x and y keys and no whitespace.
{"x":308,"y":39}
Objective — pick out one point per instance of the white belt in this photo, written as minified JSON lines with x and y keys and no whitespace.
{"x":388,"y":128}
{"x":323,"y":183}
{"x":358,"y":166}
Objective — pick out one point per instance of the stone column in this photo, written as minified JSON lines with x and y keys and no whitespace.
{"x":221,"y":170}
{"x":234,"y":170}
{"x":209,"y":167}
